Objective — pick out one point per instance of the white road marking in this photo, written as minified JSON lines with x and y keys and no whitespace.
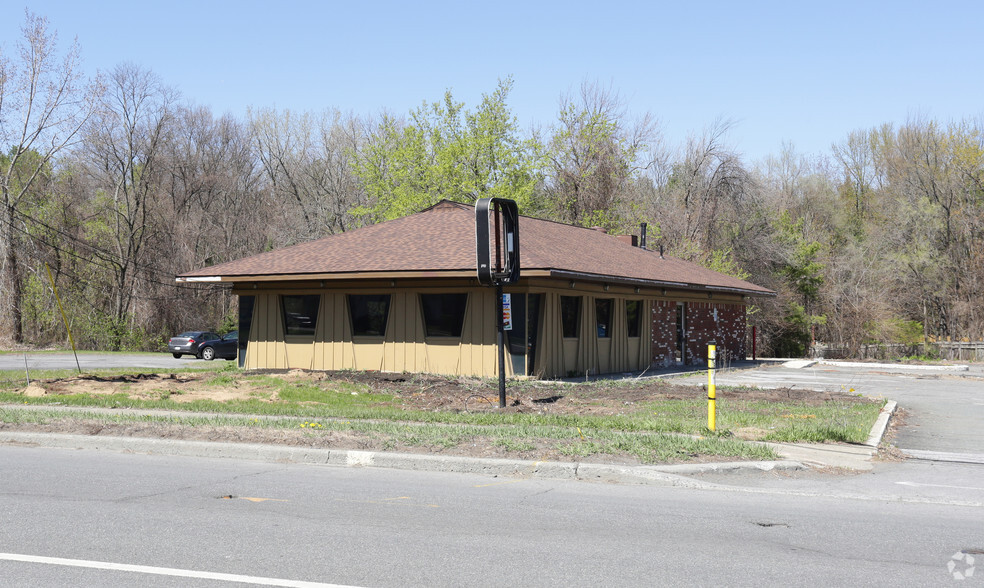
{"x":938,"y":486}
{"x":101,"y":565}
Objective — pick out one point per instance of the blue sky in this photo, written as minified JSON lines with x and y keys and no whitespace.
{"x":804,"y":73}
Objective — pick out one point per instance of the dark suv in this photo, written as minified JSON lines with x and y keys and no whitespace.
{"x":187,"y":343}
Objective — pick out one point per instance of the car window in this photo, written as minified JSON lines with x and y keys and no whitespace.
{"x":188,"y":334}
{"x":231,"y":335}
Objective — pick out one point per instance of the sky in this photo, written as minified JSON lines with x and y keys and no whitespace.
{"x":796,"y":74}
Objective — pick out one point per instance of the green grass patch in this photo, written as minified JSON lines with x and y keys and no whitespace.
{"x":668,"y":430}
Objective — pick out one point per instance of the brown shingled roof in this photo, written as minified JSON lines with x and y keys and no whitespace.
{"x":442,"y":239}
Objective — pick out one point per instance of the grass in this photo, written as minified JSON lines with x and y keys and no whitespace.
{"x":668,"y":430}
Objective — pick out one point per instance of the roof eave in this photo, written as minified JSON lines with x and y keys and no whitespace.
{"x":392,"y":275}
{"x":571,"y":275}
{"x":330,"y":276}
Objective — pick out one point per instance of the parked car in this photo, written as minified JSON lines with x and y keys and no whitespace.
{"x":225,"y":347}
{"x":187,"y":343}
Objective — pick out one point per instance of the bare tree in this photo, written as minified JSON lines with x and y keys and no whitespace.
{"x":44,"y":102}
{"x":307,"y":161}
{"x":124,"y":150}
{"x":709,"y":179}
{"x":595,"y":154}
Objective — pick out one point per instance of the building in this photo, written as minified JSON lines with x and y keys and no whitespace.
{"x":403,"y":296}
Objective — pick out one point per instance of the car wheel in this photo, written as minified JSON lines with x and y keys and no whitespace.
{"x":176,"y":355}
{"x":208,"y":354}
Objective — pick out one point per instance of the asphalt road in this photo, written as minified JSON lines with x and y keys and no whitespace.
{"x":177,"y":520}
{"x":95,"y":518}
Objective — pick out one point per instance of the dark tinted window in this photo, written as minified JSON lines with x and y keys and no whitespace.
{"x":444,"y":314}
{"x":570,"y":314}
{"x":245,"y":324}
{"x":603,"y":315}
{"x":369,"y":312}
{"x":301,"y":313}
{"x":516,"y":337}
{"x":632,"y":316}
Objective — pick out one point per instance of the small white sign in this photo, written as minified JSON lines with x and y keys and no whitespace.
{"x":507,"y":312}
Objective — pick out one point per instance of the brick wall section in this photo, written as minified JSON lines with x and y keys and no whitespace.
{"x":720,"y":324}
{"x":707,"y":322}
{"x":664,"y":332}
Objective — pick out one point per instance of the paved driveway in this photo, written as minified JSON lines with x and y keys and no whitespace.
{"x":945,"y":409}
{"x":58,"y":361}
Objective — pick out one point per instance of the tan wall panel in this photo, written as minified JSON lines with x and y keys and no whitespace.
{"x":266,"y":335}
{"x":367,"y":353}
{"x":300,"y":353}
{"x":588,"y":351}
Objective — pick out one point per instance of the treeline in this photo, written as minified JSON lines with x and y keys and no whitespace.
{"x":117,"y":185}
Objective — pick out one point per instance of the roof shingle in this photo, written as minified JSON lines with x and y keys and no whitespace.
{"x":442,"y":238}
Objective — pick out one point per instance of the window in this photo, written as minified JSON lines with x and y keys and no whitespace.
{"x":444,"y":314}
{"x":516,"y":337}
{"x":633,"y":316}
{"x":245,"y":323}
{"x":300,"y":314}
{"x":369,"y":312}
{"x":570,"y":315}
{"x":603,"y":316}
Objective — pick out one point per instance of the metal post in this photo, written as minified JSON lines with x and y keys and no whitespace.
{"x":502,"y":346}
{"x":711,"y":390}
{"x":64,"y":318}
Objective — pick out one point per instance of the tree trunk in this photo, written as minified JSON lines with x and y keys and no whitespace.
{"x":10,"y":281}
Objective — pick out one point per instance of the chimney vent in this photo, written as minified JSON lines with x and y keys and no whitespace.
{"x":628,"y":240}
{"x":642,"y":235}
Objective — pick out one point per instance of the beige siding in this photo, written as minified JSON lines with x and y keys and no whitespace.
{"x":558,"y":357}
{"x":405,"y":348}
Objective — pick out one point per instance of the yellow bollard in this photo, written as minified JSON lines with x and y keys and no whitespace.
{"x":711,"y":391}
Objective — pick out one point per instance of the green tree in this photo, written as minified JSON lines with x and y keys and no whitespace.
{"x":446,"y":152}
{"x":802,"y":273}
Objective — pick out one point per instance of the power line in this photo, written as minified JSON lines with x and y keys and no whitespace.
{"x":110,"y":262}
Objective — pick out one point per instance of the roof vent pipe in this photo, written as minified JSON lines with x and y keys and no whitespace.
{"x":642,"y":235}
{"x":661,"y":251}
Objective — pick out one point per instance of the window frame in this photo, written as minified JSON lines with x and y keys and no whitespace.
{"x":308,"y":302}
{"x":610,"y":303}
{"x":355,"y":322}
{"x":428,"y":302}
{"x":566,"y":315}
{"x":637,"y":325}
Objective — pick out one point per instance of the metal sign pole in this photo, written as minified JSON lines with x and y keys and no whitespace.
{"x":502,"y":347}
{"x":500,"y":268}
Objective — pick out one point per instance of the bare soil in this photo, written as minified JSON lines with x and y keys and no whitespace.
{"x":410,"y":391}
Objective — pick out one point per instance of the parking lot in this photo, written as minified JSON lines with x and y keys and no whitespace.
{"x":944,"y":410}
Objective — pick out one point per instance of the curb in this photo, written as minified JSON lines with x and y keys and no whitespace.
{"x":881,"y":424}
{"x":897,"y":366}
{"x":669,"y":475}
